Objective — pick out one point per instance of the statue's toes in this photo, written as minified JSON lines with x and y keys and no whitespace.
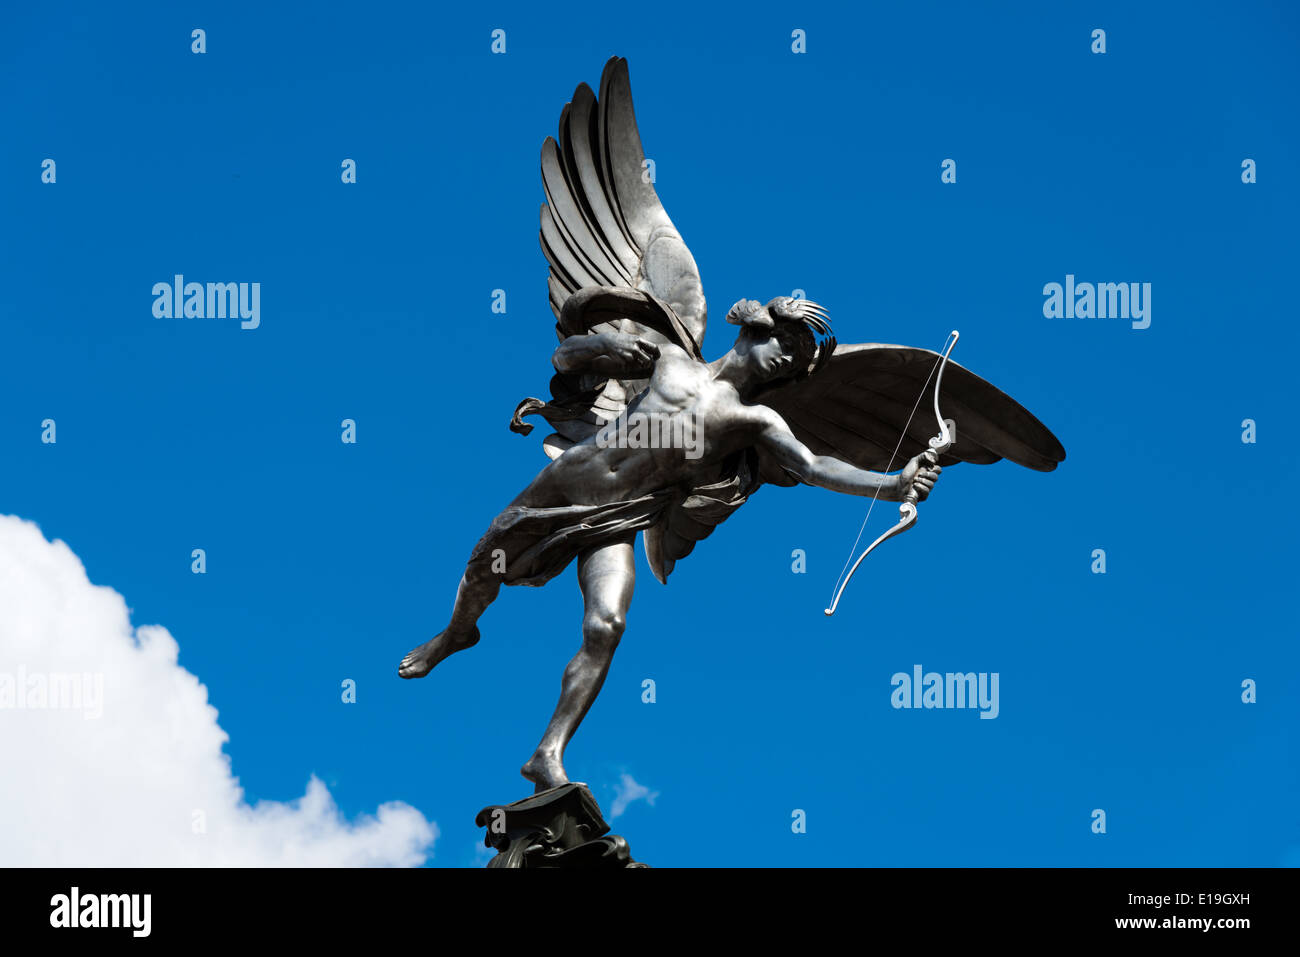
{"x":412,"y":667}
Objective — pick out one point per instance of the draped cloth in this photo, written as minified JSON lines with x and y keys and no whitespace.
{"x":539,"y":543}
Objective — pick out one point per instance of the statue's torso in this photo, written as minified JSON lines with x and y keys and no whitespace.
{"x":678,"y":429}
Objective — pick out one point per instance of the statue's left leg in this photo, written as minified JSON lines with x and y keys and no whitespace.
{"x":606,"y":576}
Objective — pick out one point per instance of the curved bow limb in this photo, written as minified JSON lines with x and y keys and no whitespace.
{"x":907,"y":513}
{"x":907,"y":518}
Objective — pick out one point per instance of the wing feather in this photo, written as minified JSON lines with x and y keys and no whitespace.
{"x":568,"y":263}
{"x":825,"y":436}
{"x":585,"y":177}
{"x":602,"y":223}
{"x":572,"y":224}
{"x":886,"y":410}
{"x":858,"y":405}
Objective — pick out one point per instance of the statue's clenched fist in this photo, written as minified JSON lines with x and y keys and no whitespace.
{"x":920,"y":474}
{"x":613,"y":354}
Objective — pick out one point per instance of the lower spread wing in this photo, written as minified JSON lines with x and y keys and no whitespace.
{"x":857,"y":407}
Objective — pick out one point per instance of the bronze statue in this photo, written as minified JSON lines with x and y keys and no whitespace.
{"x":651,"y":438}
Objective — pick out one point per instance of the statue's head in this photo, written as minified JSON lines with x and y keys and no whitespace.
{"x":780,"y":340}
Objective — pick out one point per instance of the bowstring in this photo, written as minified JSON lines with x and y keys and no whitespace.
{"x":916,"y":405}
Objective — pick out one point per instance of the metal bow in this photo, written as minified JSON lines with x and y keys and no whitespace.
{"x":941,"y":443}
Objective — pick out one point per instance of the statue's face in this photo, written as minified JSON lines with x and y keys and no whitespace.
{"x":769,"y":354}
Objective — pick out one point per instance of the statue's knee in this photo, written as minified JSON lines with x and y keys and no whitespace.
{"x":603,"y":629}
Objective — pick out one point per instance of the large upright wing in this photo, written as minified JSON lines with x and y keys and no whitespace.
{"x":602,"y":222}
{"x":857,"y":407}
{"x":617,"y":264}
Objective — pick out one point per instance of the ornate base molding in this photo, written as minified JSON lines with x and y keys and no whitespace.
{"x":562,"y":827}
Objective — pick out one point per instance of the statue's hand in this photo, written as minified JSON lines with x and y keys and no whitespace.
{"x":919,"y":475}
{"x":613,"y":354}
{"x":628,"y":350}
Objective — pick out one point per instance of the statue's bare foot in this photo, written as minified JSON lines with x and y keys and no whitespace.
{"x":421,"y":661}
{"x":545,"y":771}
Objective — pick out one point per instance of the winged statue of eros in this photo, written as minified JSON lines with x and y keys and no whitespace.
{"x":617,"y":264}
{"x":786,"y":405}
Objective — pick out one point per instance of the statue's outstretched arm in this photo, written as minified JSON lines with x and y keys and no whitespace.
{"x":826,"y":472}
{"x":618,"y":355}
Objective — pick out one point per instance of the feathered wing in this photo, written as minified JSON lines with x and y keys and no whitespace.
{"x":616,"y":261}
{"x":857,"y":407}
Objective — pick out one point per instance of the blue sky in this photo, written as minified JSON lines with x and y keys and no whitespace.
{"x":818,"y":171}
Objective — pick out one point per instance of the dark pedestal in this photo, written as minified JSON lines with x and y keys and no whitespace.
{"x":562,"y":827}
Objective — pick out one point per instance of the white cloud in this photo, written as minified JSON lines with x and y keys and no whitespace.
{"x":126,"y":788}
{"x":628,"y":791}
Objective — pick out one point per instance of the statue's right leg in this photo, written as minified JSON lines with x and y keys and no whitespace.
{"x":478,"y":589}
{"x":607,"y":576}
